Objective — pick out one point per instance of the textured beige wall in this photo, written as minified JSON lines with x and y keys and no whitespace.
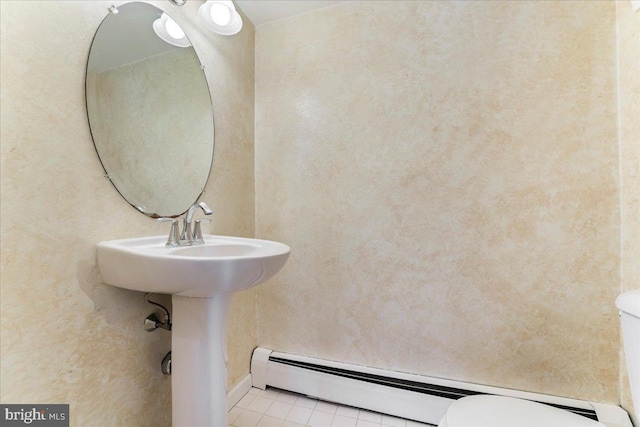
{"x":446,"y":175}
{"x":629,"y":104}
{"x":65,"y":337}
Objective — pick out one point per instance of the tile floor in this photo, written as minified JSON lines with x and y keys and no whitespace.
{"x":279,"y":408}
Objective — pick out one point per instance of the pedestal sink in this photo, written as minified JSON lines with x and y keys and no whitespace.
{"x":201,"y":280}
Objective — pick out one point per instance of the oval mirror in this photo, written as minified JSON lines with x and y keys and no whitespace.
{"x":149,"y":110}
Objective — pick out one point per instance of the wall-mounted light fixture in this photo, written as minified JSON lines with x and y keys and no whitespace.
{"x":221,"y":17}
{"x":169,"y":31}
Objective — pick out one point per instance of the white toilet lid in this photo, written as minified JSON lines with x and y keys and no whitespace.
{"x":500,"y":411}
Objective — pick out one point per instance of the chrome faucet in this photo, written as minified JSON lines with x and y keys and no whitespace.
{"x":188,"y":237}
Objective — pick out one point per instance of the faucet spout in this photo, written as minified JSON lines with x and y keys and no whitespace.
{"x":187,"y":234}
{"x":195,"y":207}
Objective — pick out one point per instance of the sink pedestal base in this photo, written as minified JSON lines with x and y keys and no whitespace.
{"x":199,"y":361}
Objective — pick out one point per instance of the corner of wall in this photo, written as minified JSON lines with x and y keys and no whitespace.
{"x":628,"y":89}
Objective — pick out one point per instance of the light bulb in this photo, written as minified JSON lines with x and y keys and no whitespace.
{"x":174,"y":29}
{"x":169,"y":31}
{"x":221,"y":17}
{"x":220,"y":14}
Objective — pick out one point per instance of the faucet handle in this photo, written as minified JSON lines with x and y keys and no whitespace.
{"x":197,"y":230}
{"x":174,"y":233}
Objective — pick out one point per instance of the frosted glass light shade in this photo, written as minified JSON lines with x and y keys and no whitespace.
{"x":221,"y":17}
{"x":169,"y":31}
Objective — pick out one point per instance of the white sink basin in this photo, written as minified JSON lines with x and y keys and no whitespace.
{"x":219,"y":267}
{"x":201,"y":280}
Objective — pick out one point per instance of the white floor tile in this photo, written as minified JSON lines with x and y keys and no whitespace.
{"x":326,"y":407}
{"x":299,"y":415}
{"x":270,"y":393}
{"x":260,"y":404}
{"x":286,"y":396}
{"x":247,"y":419}
{"x":320,"y":419}
{"x":233,"y":414}
{"x":267,"y":421}
{"x":348,"y":411}
{"x":370,"y":416}
{"x":246,"y":401}
{"x":342,"y":421}
{"x":279,"y":409}
{"x":306,"y":402}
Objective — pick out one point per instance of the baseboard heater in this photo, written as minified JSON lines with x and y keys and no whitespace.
{"x":414,"y":397}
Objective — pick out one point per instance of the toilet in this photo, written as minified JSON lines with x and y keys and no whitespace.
{"x":501,"y":411}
